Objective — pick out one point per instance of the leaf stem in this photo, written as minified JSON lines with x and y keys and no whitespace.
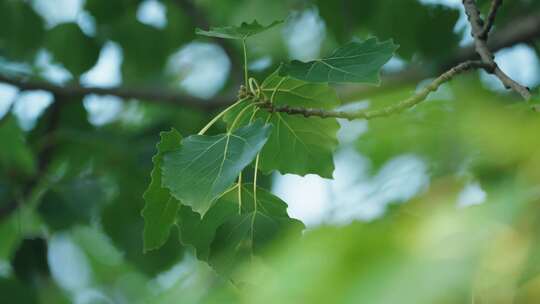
{"x":239,"y":116}
{"x":255,"y":182}
{"x":245,"y":62}
{"x":213,"y":121}
{"x":254,"y":197}
{"x":277,"y":88}
{"x":253,"y":114}
{"x":240,"y":193}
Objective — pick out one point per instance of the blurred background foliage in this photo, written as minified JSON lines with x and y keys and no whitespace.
{"x":436,"y":205}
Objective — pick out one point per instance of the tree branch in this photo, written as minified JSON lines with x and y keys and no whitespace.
{"x":386,"y":111}
{"x":482,"y":49}
{"x":525,"y":29}
{"x":490,"y":20}
{"x":75,"y":91}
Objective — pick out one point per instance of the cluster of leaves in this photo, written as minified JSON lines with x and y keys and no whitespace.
{"x":72,"y":180}
{"x":200,"y":177}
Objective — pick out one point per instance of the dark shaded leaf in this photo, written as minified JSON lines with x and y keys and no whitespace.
{"x":30,"y":260}
{"x":14,"y":291}
{"x":71,"y":47}
{"x":74,"y":201}
{"x":225,"y":237}
{"x":21,"y":29}
{"x":14,"y":153}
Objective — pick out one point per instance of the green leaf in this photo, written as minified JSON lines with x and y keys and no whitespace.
{"x":225,"y":237}
{"x":298,"y":145}
{"x":245,"y":30}
{"x":71,"y":47}
{"x":247,"y":234}
{"x":433,"y":21}
{"x":205,"y":166}
{"x":160,"y":210}
{"x":17,"y":291}
{"x":30,"y":260}
{"x":354,"y":62}
{"x":199,"y":232}
{"x":74,"y":201}
{"x":107,"y":12}
{"x":21,"y":30}
{"x":294,"y":92}
{"x":535,"y":100}
{"x":145,"y":50}
{"x":14,"y":153}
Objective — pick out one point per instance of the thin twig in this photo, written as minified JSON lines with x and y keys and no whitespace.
{"x":525,"y":29}
{"x":490,"y":20}
{"x":477,"y":25}
{"x":387,"y":111}
{"x":162,"y":96}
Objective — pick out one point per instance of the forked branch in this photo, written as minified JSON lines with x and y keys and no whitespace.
{"x":480,"y":30}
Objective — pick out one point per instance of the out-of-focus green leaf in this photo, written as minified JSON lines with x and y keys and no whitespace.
{"x":354,"y":62}
{"x":420,"y":252}
{"x":15,"y":155}
{"x":107,"y":12}
{"x":144,"y":47}
{"x":436,"y":22}
{"x":109,"y":265}
{"x":71,"y":47}
{"x":14,"y":229}
{"x":536,"y":100}
{"x":180,"y":25}
{"x":21,"y":30}
{"x":122,"y":222}
{"x":30,"y":260}
{"x":427,"y":131}
{"x":244,"y":31}
{"x":342,"y":17}
{"x":160,"y":210}
{"x":205,"y":166}
{"x":74,"y":201}
{"x":225,"y":237}
{"x":14,"y":291}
